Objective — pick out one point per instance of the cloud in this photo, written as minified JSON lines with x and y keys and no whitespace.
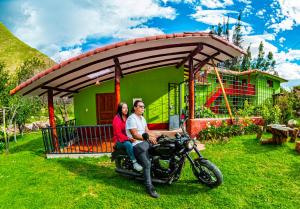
{"x":128,"y":33}
{"x":287,"y":15}
{"x":216,"y":3}
{"x":48,"y":27}
{"x":254,"y":41}
{"x":65,"y":54}
{"x":286,"y":24}
{"x":286,"y":62}
{"x":292,"y":68}
{"x":213,"y":17}
{"x":261,"y":13}
{"x":291,"y":55}
{"x":245,"y":1}
{"x":281,"y":40}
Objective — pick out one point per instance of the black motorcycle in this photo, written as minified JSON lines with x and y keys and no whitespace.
{"x":167,"y":160}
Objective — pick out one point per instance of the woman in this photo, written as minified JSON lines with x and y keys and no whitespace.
{"x":120,"y":137}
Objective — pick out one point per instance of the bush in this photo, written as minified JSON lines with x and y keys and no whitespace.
{"x":225,"y":131}
{"x":247,"y":110}
{"x":205,"y":113}
{"x":270,"y":113}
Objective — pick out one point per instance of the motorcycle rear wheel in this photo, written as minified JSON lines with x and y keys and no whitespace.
{"x":207,"y":173}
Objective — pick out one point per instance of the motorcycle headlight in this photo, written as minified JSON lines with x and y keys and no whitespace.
{"x":190,"y":144}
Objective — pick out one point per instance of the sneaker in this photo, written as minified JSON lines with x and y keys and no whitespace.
{"x":137,"y":166}
{"x":151,"y":191}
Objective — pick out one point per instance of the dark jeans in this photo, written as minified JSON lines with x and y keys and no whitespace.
{"x":142,"y":155}
{"x":128,"y":147}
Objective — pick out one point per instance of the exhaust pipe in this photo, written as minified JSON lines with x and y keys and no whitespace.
{"x":138,"y":176}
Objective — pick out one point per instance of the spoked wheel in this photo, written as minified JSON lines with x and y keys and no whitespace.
{"x":207,"y":173}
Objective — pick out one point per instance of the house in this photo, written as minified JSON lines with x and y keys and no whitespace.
{"x":160,"y":70}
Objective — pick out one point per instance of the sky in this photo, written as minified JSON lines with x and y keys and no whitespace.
{"x":62,"y":29}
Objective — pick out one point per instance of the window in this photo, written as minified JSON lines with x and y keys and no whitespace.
{"x":269,"y":83}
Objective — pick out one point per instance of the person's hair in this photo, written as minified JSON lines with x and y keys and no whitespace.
{"x":135,"y":104}
{"x":119,"y":110}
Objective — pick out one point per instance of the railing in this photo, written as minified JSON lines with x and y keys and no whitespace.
{"x":78,"y":139}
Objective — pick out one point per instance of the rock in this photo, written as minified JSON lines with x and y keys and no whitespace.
{"x":35,"y":127}
{"x":41,"y":124}
{"x":292,"y":123}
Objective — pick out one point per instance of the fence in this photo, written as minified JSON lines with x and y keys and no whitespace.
{"x":78,"y":139}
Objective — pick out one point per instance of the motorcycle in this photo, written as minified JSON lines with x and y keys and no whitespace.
{"x":167,"y":158}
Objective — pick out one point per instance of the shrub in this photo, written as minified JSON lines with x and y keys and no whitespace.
{"x":205,"y":113}
{"x":225,"y":131}
{"x":270,"y":113}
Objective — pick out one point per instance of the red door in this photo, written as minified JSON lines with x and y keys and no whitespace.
{"x":105,"y":108}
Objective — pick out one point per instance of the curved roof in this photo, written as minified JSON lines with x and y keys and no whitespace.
{"x":131,"y":56}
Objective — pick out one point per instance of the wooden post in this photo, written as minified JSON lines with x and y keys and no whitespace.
{"x":223,"y":90}
{"x":52,"y":120}
{"x":117,"y":83}
{"x":191,"y":90}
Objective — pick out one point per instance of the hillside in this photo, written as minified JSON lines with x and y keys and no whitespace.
{"x":13,"y":51}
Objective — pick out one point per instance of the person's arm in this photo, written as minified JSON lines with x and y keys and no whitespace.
{"x":152,"y":138}
{"x":135,"y":134}
{"x":121,"y":137}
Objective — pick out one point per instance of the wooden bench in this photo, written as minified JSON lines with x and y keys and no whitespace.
{"x":298,"y":146}
{"x":280,"y":134}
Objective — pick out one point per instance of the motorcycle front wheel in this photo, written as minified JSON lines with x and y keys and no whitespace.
{"x":207,"y":173}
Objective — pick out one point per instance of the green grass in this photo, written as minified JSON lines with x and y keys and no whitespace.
{"x":255,"y":176}
{"x":13,"y":51}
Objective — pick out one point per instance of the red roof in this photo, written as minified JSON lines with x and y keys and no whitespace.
{"x":121,"y":44}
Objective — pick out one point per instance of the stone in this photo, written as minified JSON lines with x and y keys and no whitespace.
{"x":292,"y":123}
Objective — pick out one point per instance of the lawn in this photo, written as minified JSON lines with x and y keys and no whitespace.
{"x":255,"y":176}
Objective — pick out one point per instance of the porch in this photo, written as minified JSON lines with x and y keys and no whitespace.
{"x":92,"y":140}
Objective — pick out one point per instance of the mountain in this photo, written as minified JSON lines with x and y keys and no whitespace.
{"x":13,"y":51}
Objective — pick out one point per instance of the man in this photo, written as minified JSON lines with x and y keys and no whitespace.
{"x":135,"y":126}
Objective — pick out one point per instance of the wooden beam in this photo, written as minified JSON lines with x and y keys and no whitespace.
{"x":191,"y":89}
{"x":123,"y":63}
{"x":128,"y":68}
{"x":204,"y":62}
{"x":118,"y":66}
{"x":52,"y":123}
{"x":118,"y":75}
{"x":58,"y":89}
{"x":223,"y":91}
{"x":119,"y":55}
{"x":108,"y":58}
{"x":140,"y":70}
{"x":191,"y":55}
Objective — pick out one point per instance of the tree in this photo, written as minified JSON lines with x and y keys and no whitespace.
{"x":219,"y":30}
{"x":227,"y":29}
{"x":237,"y":40}
{"x":4,"y":83}
{"x":237,"y":33}
{"x":270,"y":62}
{"x":28,"y":68}
{"x":212,"y":30}
{"x":20,"y":109}
{"x":247,"y":59}
{"x":260,"y":61}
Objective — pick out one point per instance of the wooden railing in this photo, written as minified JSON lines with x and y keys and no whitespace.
{"x":78,"y":139}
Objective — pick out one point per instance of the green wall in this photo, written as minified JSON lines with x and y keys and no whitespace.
{"x":151,"y":86}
